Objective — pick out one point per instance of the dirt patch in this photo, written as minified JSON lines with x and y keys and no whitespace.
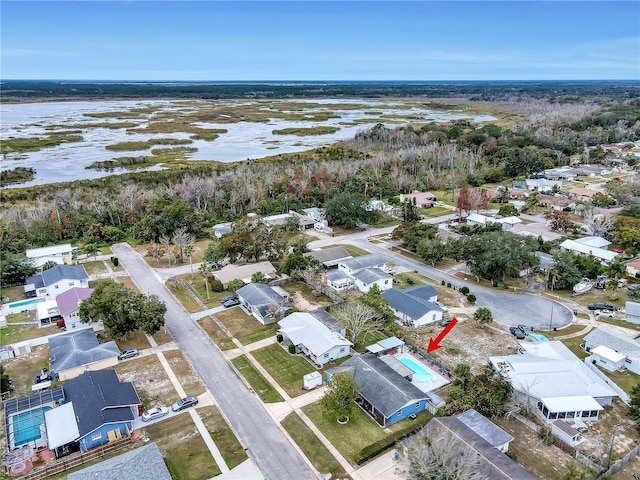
{"x":150,"y":380}
{"x":469,"y":343}
{"x":24,"y":368}
{"x":302,"y":304}
{"x":187,"y":377}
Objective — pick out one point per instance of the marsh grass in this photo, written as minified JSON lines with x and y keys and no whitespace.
{"x":12,"y":145}
{"x":303,"y":132}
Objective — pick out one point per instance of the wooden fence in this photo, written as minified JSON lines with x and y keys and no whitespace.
{"x":65,"y":463}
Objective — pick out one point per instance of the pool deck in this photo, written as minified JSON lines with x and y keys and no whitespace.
{"x":441,"y":378}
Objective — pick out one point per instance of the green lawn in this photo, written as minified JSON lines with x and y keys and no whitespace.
{"x":223,"y":436}
{"x":620,"y":323}
{"x":257,"y":381}
{"x":266,"y":332}
{"x":94,"y":268}
{"x":574,"y":345}
{"x":625,"y":379}
{"x":369,"y":339}
{"x":20,"y":333}
{"x":13,"y":294}
{"x":565,"y":331}
{"x":312,"y":447}
{"x":436,"y":211}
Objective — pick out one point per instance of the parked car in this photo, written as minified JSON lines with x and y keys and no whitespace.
{"x":229,"y":297}
{"x":129,"y":353}
{"x":525,"y":328}
{"x":605,"y":313}
{"x":601,"y":306}
{"x":634,"y":286}
{"x":183,"y":403}
{"x":517,"y":332}
{"x":231,"y":303}
{"x":445,"y":321}
{"x":153,"y":413}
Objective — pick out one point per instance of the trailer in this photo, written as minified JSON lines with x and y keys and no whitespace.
{"x":312,"y":380}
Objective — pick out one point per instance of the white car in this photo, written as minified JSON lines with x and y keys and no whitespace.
{"x":606,"y":313}
{"x":154,"y":413}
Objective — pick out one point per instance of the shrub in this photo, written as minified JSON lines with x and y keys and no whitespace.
{"x":471,"y":298}
{"x":235,"y":284}
{"x":279,"y":338}
{"x":292,"y":349}
{"x":216,"y":285}
{"x":115,"y":261}
{"x":410,"y":281}
{"x":449,"y":284}
{"x":464,"y":290}
{"x":443,"y":283}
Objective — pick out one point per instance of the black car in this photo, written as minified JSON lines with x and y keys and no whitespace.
{"x":183,"y":403}
{"x":517,"y":332}
{"x":601,"y":306}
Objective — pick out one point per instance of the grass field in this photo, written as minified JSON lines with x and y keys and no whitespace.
{"x":20,"y":333}
{"x":188,"y":378}
{"x":286,"y":369}
{"x":315,"y":451}
{"x":243,"y":326}
{"x":218,"y":336}
{"x":257,"y":381}
{"x":223,"y":436}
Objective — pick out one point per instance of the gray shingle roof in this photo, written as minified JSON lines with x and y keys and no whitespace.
{"x":99,"y":397}
{"x":412,"y":301}
{"x":371,"y":275}
{"x":632,"y":308}
{"x":330,"y":257}
{"x":57,"y":273}
{"x":261,"y":297}
{"x":484,"y":427}
{"x":79,"y":348}
{"x":144,"y":463}
{"x":608,"y":338}
{"x":364,"y":261}
{"x":380,"y":384}
{"x":493,"y":463}
{"x":328,"y":320}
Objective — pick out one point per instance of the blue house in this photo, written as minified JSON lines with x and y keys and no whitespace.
{"x":101,"y":407}
{"x":383,"y":392}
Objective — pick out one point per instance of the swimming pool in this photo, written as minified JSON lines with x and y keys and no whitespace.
{"x":26,"y":425}
{"x":422,"y":374}
{"x":538,"y":337}
{"x":17,"y":307}
{"x":25,"y":302}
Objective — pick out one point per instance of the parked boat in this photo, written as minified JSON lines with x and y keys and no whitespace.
{"x":583,"y":286}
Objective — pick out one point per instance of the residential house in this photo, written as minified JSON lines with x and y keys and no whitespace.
{"x":551,"y":378}
{"x":566,"y":433}
{"x":330,"y":257}
{"x":474,"y":219}
{"x":445,"y":234}
{"x":142,"y":463}
{"x":616,"y":344}
{"x":633,"y":268}
{"x":596,"y":242}
{"x":633,"y":312}
{"x":546,"y":261}
{"x":508,"y":222}
{"x":422,"y":199}
{"x":337,"y":280}
{"x":41,"y":261}
{"x":98,"y":407}
{"x":56,"y":280}
{"x":47,"y":312}
{"x":580,"y":193}
{"x":221,"y":229}
{"x":490,"y":461}
{"x":355,"y":264}
{"x":244,"y":272}
{"x":488,"y":430}
{"x":58,"y":253}
{"x":278,"y":220}
{"x":555,"y":202}
{"x":604,"y":255}
{"x":315,"y":213}
{"x":329,"y":321}
{"x":563,"y":174}
{"x":263,"y":302}
{"x":313,"y":338}
{"x":382,"y":392}
{"x":414,"y":306}
{"x":542,"y":184}
{"x":79,"y":351}
{"x":365,"y":279}
{"x":537,"y":230}
{"x":69,"y":305}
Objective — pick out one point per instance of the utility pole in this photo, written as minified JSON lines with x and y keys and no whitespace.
{"x":551,"y":320}
{"x":613,"y":436}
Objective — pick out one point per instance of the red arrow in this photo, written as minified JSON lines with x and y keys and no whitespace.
{"x":435,"y":344}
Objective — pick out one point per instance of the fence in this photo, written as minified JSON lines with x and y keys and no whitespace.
{"x":66,"y":463}
{"x":588,"y":462}
{"x":621,"y":393}
{"x":622,"y":462}
{"x":428,"y":357}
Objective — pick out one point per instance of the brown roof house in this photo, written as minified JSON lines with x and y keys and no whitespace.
{"x":244,"y":272}
{"x":556,"y":202}
{"x":423,"y":199}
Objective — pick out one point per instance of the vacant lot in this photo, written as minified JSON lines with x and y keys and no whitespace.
{"x":219,"y":337}
{"x":469,"y":343}
{"x":150,"y":380}
{"x":188,"y":378}
{"x":244,"y":327}
{"x":183,"y":449}
{"x":19,"y":333}
{"x":223,"y":436}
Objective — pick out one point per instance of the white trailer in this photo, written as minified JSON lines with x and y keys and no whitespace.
{"x":312,"y":380}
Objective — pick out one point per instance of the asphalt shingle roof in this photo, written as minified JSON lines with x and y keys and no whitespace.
{"x":380,"y":384}
{"x":330,"y":256}
{"x":413,"y":302}
{"x":57,"y":273}
{"x":144,"y":463}
{"x":364,"y":261}
{"x":371,"y":275}
{"x":78,"y":348}
{"x":70,"y":300}
{"x":99,"y":397}
{"x":485,"y":428}
{"x":608,"y":338}
{"x":261,"y":297}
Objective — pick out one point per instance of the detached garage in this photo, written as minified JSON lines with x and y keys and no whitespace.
{"x":608,"y":358}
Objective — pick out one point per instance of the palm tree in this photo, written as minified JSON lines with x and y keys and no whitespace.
{"x":91,"y":249}
{"x":188,"y":251}
{"x":205,"y":271}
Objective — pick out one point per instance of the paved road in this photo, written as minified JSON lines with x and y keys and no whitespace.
{"x":257,"y":431}
{"x":509,"y":309}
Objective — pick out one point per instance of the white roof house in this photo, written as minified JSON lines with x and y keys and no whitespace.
{"x":597,"y":242}
{"x":608,"y":358}
{"x":618,"y":344}
{"x":477,"y":219}
{"x":56,"y":250}
{"x":553,"y":379}
{"x":507,"y":222}
{"x":583,"y":249}
{"x":313,"y":338}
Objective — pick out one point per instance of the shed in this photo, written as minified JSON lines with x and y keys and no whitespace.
{"x":312,"y":380}
{"x":608,"y":358}
{"x":566,"y":433}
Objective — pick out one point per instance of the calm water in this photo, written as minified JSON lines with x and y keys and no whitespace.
{"x":244,"y":140}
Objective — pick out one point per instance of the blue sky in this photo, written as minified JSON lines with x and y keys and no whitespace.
{"x":326,"y":40}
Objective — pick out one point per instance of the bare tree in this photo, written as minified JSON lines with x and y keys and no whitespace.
{"x":598,"y":225}
{"x":311,"y":276}
{"x":435,"y":454}
{"x":182,"y":238}
{"x":358,"y":319}
{"x":277,"y":308}
{"x":166,"y":242}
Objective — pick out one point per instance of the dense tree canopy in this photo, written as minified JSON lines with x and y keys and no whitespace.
{"x":122,"y":310}
{"x":339,"y":400}
{"x":348,"y":210}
